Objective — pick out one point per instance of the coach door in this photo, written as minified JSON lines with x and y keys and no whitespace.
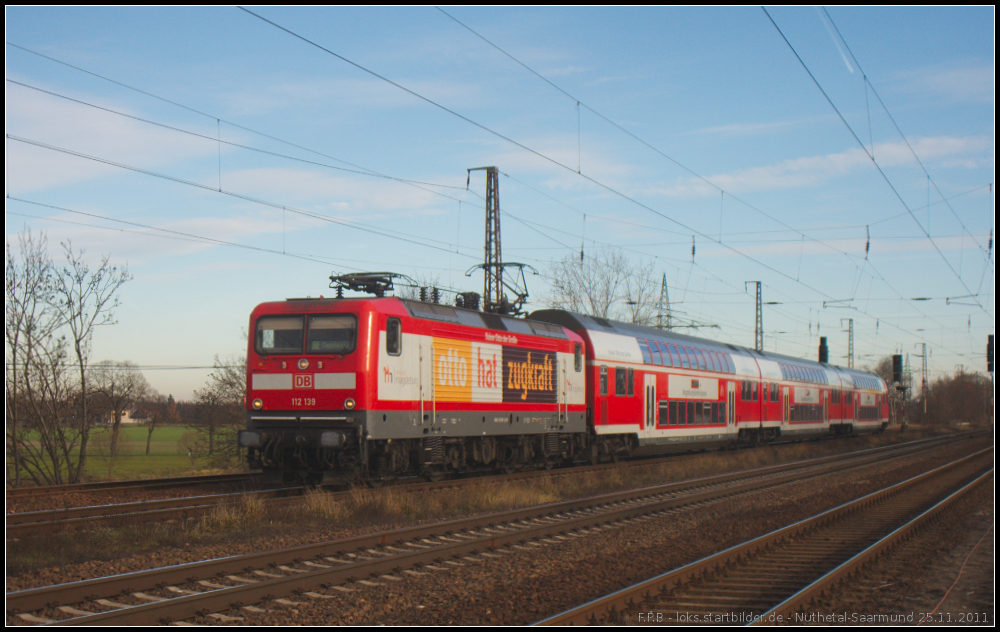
{"x":731,"y":403}
{"x":650,"y":393}
{"x":561,"y":390}
{"x":784,"y":404}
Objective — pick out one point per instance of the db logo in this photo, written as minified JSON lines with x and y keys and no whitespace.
{"x":302,"y":380}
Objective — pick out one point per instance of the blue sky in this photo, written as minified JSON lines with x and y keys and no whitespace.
{"x":750,"y":158}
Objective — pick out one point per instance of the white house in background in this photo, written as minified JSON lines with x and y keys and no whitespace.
{"x":129,"y":418}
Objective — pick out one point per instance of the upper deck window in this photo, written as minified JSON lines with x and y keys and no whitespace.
{"x":646,"y":355}
{"x":278,"y":335}
{"x":336,"y":333}
{"x":655,"y":350}
{"x":667,"y":360}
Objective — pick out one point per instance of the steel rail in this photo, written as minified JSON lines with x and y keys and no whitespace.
{"x":49,"y":520}
{"x":46,"y":521}
{"x":608,"y":609}
{"x":34,"y":599}
{"x":786,"y":610}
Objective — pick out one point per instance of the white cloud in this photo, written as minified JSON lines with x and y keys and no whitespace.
{"x":54,"y":121}
{"x":967,"y":84}
{"x":812,"y":170}
{"x":339,"y":93}
{"x":330,"y":193}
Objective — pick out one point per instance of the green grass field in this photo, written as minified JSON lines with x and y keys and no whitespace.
{"x":168,"y":455}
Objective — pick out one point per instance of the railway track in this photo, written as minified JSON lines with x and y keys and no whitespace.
{"x":137,"y":484}
{"x":49,"y":520}
{"x":211,"y":588}
{"x":774,"y":578}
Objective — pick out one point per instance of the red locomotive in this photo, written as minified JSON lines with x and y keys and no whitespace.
{"x":370,"y":389}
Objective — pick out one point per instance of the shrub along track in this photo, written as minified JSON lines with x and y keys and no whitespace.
{"x":135,"y":598}
{"x":187,"y":507}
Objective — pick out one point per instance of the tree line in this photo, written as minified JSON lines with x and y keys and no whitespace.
{"x":56,"y":396}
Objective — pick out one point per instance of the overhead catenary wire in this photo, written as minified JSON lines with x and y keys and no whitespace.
{"x":159,"y":231}
{"x":617,"y":126}
{"x":365,"y":170}
{"x":900,"y":131}
{"x":249,"y":198}
{"x":539,"y":154}
{"x":220,"y":186}
{"x":872,"y":158}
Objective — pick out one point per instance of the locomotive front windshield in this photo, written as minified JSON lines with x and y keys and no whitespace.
{"x":332,"y":334}
{"x":285,"y":335}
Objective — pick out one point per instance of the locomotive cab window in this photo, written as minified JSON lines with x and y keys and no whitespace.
{"x":277,"y":335}
{"x":578,"y":357}
{"x":334,"y":334}
{"x":393,"y":336}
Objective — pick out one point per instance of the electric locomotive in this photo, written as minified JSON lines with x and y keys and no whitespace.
{"x":340,"y":390}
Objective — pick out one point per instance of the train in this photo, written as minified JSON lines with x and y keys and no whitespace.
{"x":370,"y":389}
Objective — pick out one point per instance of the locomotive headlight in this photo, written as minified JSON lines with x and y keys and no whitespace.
{"x":303,"y":364}
{"x":257,"y":404}
{"x":349,"y":404}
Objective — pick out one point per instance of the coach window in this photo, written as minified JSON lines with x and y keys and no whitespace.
{"x":684,"y":357}
{"x":631,"y":382}
{"x":675,"y":357}
{"x":665,"y":353}
{"x":604,"y":381}
{"x":654,"y":349}
{"x":644,"y":348}
{"x":673,"y":413}
{"x":621,"y":381}
{"x":393,"y":333}
{"x":754,"y":392}
{"x":702,"y":363}
{"x":578,"y":357}
{"x":691,"y":407}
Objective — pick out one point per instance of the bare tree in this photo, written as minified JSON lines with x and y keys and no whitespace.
{"x":28,"y":322}
{"x":412,"y":292}
{"x":607,"y":285}
{"x":48,"y":419}
{"x":120,"y":385}
{"x":158,"y":410}
{"x":220,"y":407}
{"x":85,"y":299}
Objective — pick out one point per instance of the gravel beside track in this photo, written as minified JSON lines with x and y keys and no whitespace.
{"x":524,"y":587}
{"x":954,"y":554}
{"x":189,"y":553}
{"x":605,"y":554}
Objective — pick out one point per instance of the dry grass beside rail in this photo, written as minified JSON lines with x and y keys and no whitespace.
{"x":249,"y":524}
